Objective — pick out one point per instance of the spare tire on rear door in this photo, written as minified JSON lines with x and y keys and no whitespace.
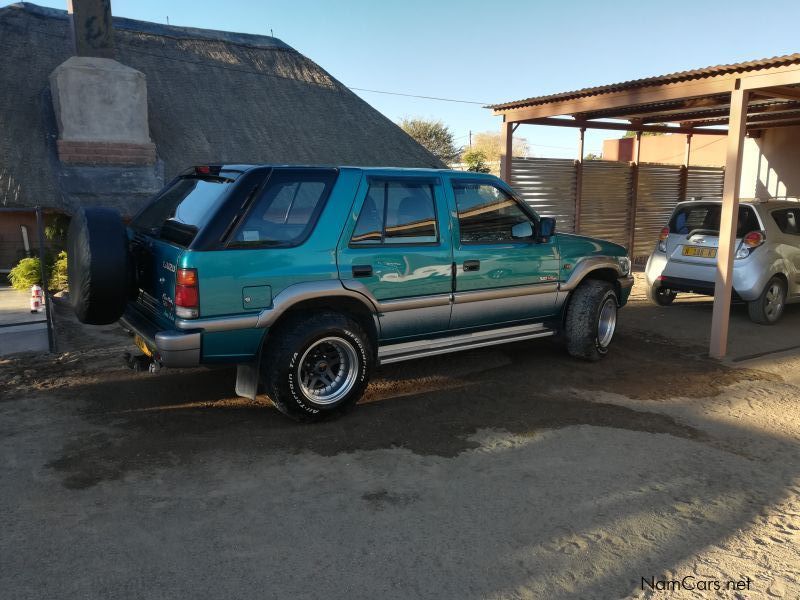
{"x":98,"y":265}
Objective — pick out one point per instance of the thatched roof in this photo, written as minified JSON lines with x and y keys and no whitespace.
{"x":213,"y":96}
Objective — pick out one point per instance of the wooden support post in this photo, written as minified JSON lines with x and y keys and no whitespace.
{"x":506,"y":137}
{"x":688,"y":150}
{"x":637,"y":150}
{"x":684,"y":185}
{"x":727,"y":228}
{"x":579,"y":180}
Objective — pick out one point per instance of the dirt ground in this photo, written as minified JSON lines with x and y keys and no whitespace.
{"x":512,"y":472}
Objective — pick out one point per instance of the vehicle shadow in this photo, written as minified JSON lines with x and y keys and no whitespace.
{"x":176,"y":422}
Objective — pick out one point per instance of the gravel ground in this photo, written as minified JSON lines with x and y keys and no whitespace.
{"x":512,"y":472}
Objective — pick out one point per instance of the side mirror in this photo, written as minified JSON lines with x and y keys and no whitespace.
{"x":522,"y":230}
{"x":547,"y":227}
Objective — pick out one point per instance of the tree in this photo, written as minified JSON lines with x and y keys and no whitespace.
{"x":629,"y":134}
{"x":435,"y":136}
{"x":491,"y":145}
{"x":592,"y":156}
{"x":475,"y":160}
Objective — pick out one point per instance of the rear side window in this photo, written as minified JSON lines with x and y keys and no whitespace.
{"x":397,"y":212}
{"x":704,"y":218}
{"x":788,"y":220}
{"x":287,"y":209}
{"x":180,"y":211}
{"x":486,"y":213}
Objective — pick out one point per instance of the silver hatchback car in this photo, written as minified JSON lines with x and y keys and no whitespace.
{"x":766,"y":271}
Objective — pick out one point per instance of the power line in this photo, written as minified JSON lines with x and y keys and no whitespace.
{"x":418,"y":96}
{"x":262,"y":74}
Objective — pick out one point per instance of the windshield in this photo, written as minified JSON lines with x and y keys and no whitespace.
{"x":180,"y":211}
{"x":704,"y":218}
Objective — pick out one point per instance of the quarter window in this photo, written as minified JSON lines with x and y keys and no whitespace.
{"x":486,"y":214}
{"x":397,"y":212}
{"x":788,"y":220}
{"x":287,"y":209}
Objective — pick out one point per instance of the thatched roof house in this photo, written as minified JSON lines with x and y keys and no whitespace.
{"x":212,"y":96}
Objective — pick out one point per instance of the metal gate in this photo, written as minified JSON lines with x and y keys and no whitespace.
{"x":606,"y":200}
{"x":548,"y":185}
{"x":704,"y":182}
{"x":20,"y":329}
{"x":608,"y":190}
{"x":659,"y":189}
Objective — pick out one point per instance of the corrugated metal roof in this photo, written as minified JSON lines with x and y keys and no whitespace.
{"x":681,"y":76}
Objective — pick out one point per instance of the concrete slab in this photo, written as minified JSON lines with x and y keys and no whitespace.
{"x":688,"y":322}
{"x":23,"y":338}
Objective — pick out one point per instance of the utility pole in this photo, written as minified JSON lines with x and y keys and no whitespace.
{"x":470,"y":139}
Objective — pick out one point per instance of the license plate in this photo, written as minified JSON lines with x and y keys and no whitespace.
{"x":142,"y":345}
{"x":700,"y":252}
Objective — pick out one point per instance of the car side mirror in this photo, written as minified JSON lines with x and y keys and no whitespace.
{"x":546,"y":228}
{"x":522,"y":230}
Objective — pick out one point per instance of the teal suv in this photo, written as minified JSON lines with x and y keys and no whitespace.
{"x":307,"y":278}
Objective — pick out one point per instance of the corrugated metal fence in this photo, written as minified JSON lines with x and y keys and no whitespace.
{"x":548,"y":185}
{"x":608,"y":191}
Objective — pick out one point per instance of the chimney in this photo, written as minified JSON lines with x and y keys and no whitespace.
{"x":92,"y":28}
{"x":99,"y":103}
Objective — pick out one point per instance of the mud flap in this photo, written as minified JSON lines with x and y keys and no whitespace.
{"x":247,"y":380}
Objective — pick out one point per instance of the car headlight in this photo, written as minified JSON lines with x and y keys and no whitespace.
{"x":624,"y":264}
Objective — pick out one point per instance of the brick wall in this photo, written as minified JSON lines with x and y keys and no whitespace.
{"x":106,"y":153}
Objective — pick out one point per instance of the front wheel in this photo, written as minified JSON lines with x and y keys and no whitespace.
{"x":768,"y":308}
{"x":591,"y":320}
{"x":316,"y":367}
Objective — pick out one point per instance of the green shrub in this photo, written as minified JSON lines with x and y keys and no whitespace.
{"x":58,"y":273}
{"x":25,"y":274}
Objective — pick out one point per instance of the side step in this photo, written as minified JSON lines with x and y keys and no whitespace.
{"x":418,"y":349}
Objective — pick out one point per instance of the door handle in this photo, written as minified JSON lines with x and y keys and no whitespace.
{"x":472,"y":265}
{"x":362,"y":270}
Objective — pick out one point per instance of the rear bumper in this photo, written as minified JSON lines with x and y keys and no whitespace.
{"x":692,"y":286}
{"x":171,"y":348}
{"x":749,"y":276}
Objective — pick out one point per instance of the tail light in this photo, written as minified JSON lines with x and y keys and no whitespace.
{"x":662,"y":239}
{"x":750,"y":242}
{"x":753,"y":239}
{"x":187,"y":298}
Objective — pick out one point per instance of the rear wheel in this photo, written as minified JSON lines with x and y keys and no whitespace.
{"x":317,"y":367}
{"x":591,"y":320}
{"x":768,"y":308}
{"x":661,"y":296}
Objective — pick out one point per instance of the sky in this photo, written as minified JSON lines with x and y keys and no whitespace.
{"x":488,"y":52}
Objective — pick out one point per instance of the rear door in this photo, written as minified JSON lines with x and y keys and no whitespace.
{"x":397,"y":251}
{"x":500,"y":278}
{"x":694,"y":238}
{"x":163,"y":231}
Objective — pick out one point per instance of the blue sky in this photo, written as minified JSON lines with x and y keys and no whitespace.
{"x":494,"y":52}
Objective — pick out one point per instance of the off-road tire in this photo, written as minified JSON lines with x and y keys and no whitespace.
{"x":661,"y":296}
{"x":285,"y":348}
{"x":762,"y":310}
{"x":583,"y":314}
{"x":98,"y":265}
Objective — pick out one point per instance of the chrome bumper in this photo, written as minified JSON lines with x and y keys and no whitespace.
{"x":177,"y":349}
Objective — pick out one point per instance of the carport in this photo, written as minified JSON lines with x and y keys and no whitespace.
{"x":748,"y":99}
